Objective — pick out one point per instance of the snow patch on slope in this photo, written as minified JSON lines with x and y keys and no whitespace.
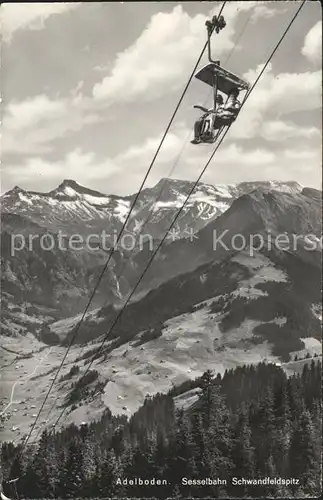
{"x":122,"y":209}
{"x":186,"y":400}
{"x":312,"y":347}
{"x":311,"y":343}
{"x":25,"y":199}
{"x":223,"y":190}
{"x":317,"y":311}
{"x":96,"y":200}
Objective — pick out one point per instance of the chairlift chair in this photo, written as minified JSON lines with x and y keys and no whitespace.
{"x":220,"y":79}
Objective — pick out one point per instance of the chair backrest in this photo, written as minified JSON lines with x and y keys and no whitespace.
{"x":226,"y":81}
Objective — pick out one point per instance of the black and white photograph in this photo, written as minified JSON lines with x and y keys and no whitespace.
{"x":161,"y":250}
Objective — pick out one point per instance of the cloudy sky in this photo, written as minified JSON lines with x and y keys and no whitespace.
{"x":88,"y":89}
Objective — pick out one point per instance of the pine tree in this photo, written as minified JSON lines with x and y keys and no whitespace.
{"x":199,"y":447}
{"x":295,"y":396}
{"x":270,"y":471}
{"x":16,"y":474}
{"x":243,"y":452}
{"x":88,"y":464}
{"x":108,"y":475}
{"x":159,"y":454}
{"x":44,"y":466}
{"x":180,"y":460}
{"x":283,"y":426}
{"x":219,"y":440}
{"x":265,"y":430}
{"x":305,"y":455}
{"x":205,"y":399}
{"x":71,"y":479}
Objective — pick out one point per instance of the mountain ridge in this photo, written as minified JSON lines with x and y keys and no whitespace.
{"x":245,"y":213}
{"x":165,"y":180}
{"x":258,"y":212}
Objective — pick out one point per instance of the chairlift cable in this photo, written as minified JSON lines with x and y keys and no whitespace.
{"x":158,"y":197}
{"x":193,"y":188}
{"x":206,"y":100}
{"x":195,"y":184}
{"x":135,"y":288}
{"x":188,"y":196}
{"x":178,"y":157}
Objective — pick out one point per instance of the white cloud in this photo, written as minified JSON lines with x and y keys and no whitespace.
{"x":236,"y":156}
{"x":162,"y":57}
{"x":285,"y":92}
{"x":31,"y":125}
{"x":312,"y":48}
{"x":232,"y":162}
{"x":32,"y":111}
{"x":76,"y":91}
{"x":278,"y":130}
{"x":77,"y":165}
{"x":86,"y":167}
{"x":157,"y":58}
{"x":123,"y":173}
{"x":19,"y":16}
{"x":283,"y":165}
{"x":301,"y":154}
{"x":144,"y":153}
{"x":263,"y":11}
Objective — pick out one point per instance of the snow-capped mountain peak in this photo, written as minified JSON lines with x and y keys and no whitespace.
{"x":72,"y":206}
{"x":70,"y":189}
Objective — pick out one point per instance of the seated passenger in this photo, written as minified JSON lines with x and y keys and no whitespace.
{"x":233,"y":104}
{"x":205,"y":124}
{"x":226,"y":114}
{"x":199,"y":124}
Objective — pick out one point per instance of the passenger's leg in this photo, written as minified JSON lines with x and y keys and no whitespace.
{"x":197,"y":131}
{"x":217,"y":123}
{"x":210,"y":123}
{"x":198,"y":128}
{"x":207,"y":129}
